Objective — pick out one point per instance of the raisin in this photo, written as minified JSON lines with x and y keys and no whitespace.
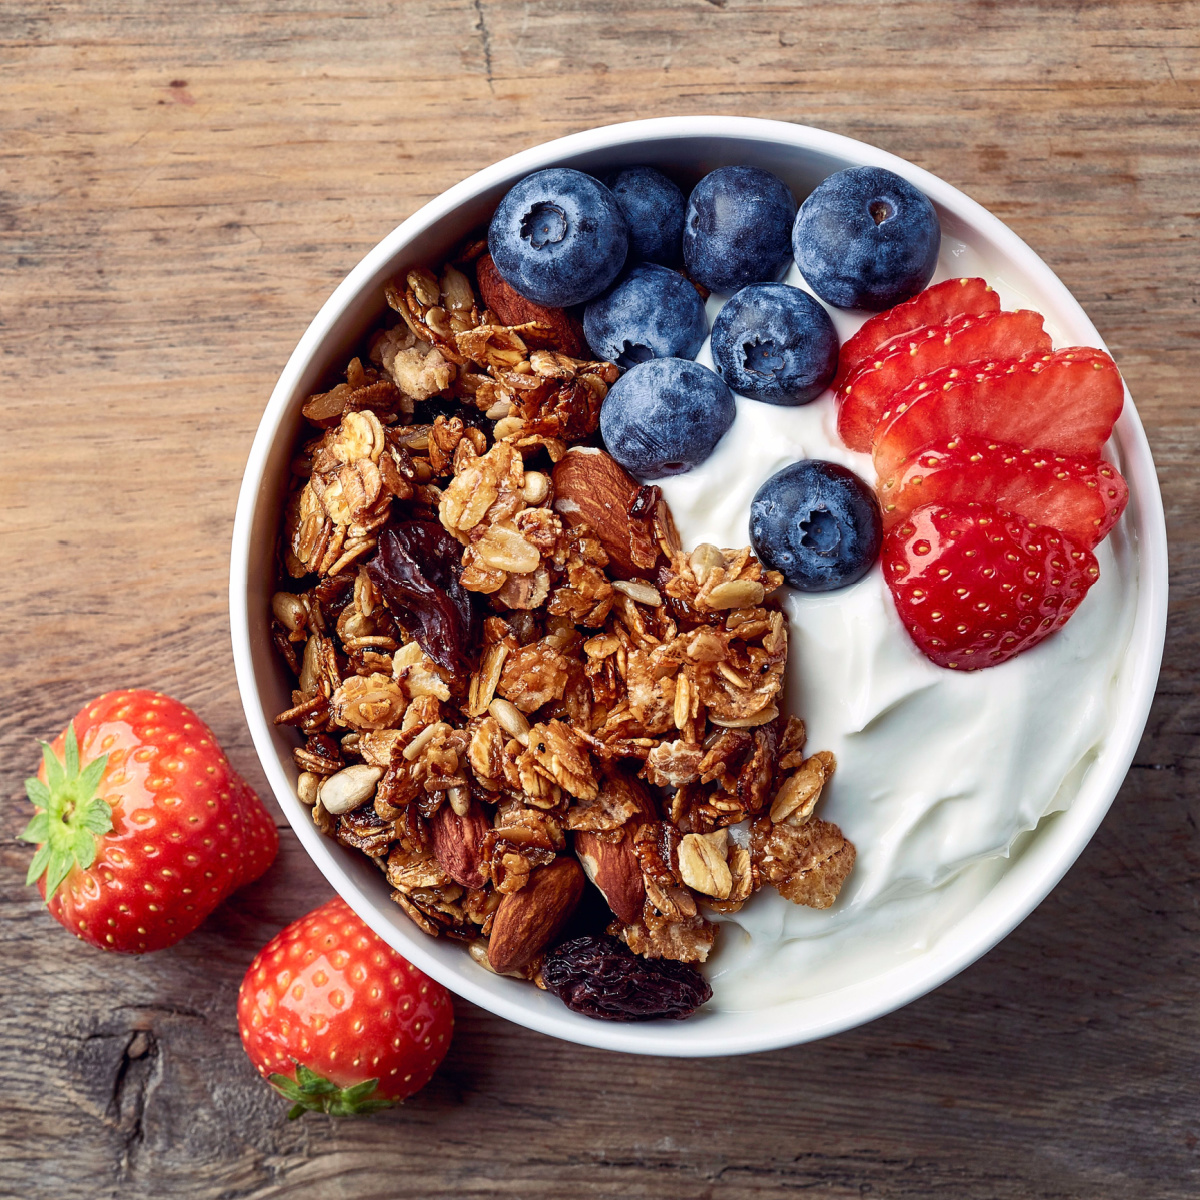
{"x":417,"y":571}
{"x":600,"y":977}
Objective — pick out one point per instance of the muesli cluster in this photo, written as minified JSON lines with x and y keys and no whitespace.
{"x":511,"y":678}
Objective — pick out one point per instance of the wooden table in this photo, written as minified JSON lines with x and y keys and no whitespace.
{"x":182,"y":186}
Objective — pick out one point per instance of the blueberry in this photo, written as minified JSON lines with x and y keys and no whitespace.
{"x":774,"y":342}
{"x":865,"y":238}
{"x":738,"y":228}
{"x":818,"y":523}
{"x":558,"y":237}
{"x":665,"y":416}
{"x":653,"y":208}
{"x":652,"y":313}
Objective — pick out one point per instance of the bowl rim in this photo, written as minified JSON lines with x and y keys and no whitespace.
{"x":1022,"y":887}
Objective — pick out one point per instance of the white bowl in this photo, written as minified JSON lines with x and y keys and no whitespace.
{"x":802,"y":156}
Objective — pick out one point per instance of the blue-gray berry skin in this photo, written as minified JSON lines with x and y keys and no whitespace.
{"x":665,"y":416}
{"x":652,"y":312}
{"x":774,"y":342}
{"x":653,"y":206}
{"x":737,"y":229}
{"x":866,"y":238}
{"x":559,"y":237}
{"x":818,"y":523}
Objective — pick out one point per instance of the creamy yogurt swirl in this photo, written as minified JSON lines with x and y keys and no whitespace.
{"x":939,"y":772}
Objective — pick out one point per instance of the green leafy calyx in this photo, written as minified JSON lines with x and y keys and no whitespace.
{"x":310,"y":1092}
{"x":70,"y":817}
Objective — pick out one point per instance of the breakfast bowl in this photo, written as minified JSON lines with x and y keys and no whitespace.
{"x":782,"y":981}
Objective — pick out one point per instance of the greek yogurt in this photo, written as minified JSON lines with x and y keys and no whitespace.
{"x":941,"y":775}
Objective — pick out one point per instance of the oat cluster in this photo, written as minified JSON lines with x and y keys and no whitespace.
{"x":502,"y":682}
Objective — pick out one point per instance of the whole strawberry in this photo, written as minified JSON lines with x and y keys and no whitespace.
{"x":143,"y":826}
{"x":336,"y":1021}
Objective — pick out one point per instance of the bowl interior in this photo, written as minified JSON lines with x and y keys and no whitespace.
{"x":686,"y":148}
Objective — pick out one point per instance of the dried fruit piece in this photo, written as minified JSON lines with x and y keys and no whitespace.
{"x":1066,"y":402}
{"x":870,"y":389}
{"x":975,"y":585}
{"x":934,"y":306}
{"x":599,"y":977}
{"x":1081,"y":496}
{"x":417,"y":572}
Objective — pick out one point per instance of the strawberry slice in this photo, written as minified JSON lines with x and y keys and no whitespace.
{"x":975,"y":585}
{"x":934,"y":306}
{"x":1083,"y":496}
{"x":968,"y":339}
{"x":1063,"y":403}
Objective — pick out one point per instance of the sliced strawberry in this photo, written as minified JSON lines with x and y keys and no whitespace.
{"x":870,"y":389}
{"x":1063,"y":403}
{"x":934,"y":306}
{"x":1081,"y":496}
{"x":975,"y":585}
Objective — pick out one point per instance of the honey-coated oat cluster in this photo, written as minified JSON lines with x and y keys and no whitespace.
{"x":510,"y":676}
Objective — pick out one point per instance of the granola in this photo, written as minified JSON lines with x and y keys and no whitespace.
{"x":489,"y":663}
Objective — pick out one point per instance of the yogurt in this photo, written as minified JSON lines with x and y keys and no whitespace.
{"x":941,"y":774}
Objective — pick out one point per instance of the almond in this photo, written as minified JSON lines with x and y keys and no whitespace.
{"x":591,"y":488}
{"x":529,"y":920}
{"x":458,"y":842}
{"x":565,"y":332}
{"x":615,"y":870}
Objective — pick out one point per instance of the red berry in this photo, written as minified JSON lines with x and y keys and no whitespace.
{"x":1081,"y":496}
{"x":975,"y":585}
{"x":964,"y":340}
{"x":934,"y":306}
{"x":1062,"y":403}
{"x":334,"y":1019}
{"x":144,"y":826}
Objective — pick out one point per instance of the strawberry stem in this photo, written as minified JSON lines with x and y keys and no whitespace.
{"x":70,"y":818}
{"x":310,"y":1092}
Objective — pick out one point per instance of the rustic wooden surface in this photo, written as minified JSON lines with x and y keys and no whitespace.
{"x":181,"y":186}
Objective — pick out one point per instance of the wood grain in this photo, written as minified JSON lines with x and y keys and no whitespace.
{"x":180,"y":187}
